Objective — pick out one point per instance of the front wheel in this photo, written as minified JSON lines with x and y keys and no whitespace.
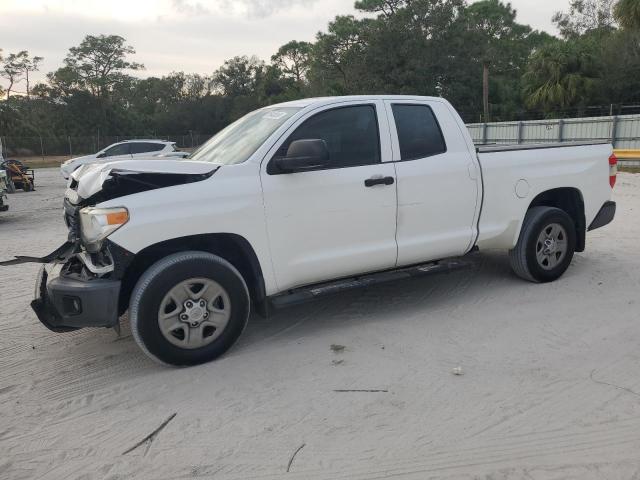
{"x":189,"y":308}
{"x":546,"y":245}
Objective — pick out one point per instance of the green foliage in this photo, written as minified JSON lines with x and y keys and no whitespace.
{"x":293,"y":60}
{"x":98,"y":64}
{"x":495,"y":41}
{"x":494,"y":35}
{"x":562,"y":74}
{"x":13,"y":68}
{"x":585,"y":16}
{"x":338,"y":56}
{"x":621,"y":67}
{"x":239,"y":76}
{"x":627,"y":13}
{"x":386,"y":7}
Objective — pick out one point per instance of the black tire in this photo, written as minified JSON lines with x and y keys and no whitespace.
{"x":524,"y":259}
{"x":164,"y":275}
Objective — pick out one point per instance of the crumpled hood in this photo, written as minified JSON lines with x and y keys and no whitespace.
{"x":91,"y":179}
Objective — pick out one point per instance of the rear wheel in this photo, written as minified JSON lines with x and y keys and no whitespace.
{"x":546,"y":245}
{"x":189,"y":308}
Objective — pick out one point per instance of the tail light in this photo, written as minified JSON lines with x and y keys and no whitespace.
{"x":613,"y":169}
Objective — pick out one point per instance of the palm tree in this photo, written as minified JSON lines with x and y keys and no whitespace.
{"x":627,"y":13}
{"x":559,"y":75}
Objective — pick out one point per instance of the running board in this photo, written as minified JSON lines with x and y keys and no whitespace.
{"x":305,"y":294}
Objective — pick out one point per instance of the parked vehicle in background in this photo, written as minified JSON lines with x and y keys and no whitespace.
{"x":127,"y":150}
{"x":302,"y":199}
{"x":6,"y":185}
{"x":4,"y":206}
{"x":19,"y":175}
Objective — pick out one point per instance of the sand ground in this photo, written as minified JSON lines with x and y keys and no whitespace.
{"x":551,"y":384}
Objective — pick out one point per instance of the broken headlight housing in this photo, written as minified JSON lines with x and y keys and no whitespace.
{"x":96,"y":224}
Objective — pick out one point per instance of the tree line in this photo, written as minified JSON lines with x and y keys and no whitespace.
{"x":478,"y":56}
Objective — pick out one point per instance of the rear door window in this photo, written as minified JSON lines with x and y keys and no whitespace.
{"x":418,"y":131}
{"x":116,"y":150}
{"x":145,"y":147}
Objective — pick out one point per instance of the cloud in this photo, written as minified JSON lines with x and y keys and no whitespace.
{"x":189,"y":8}
{"x":248,"y":8}
{"x":191,"y":43}
{"x":265,"y":8}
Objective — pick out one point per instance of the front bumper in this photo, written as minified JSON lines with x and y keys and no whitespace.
{"x":605,"y":216}
{"x":64,"y":301}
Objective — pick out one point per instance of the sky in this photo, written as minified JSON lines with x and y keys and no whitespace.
{"x":194,"y":36}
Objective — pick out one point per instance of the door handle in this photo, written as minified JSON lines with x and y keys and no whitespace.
{"x":372,"y":182}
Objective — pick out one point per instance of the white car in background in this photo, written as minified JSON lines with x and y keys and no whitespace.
{"x":127,"y":150}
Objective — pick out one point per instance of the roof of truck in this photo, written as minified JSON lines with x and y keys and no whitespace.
{"x":305,"y":102}
{"x":150,"y":140}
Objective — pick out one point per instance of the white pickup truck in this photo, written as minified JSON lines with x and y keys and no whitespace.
{"x":305,"y":198}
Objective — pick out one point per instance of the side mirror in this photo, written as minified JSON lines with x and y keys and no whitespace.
{"x":101,"y":155}
{"x":304,"y":155}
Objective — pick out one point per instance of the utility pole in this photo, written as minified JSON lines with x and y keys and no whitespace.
{"x":485,"y":91}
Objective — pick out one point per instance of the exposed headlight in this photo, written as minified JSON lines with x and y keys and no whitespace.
{"x":96,"y":224}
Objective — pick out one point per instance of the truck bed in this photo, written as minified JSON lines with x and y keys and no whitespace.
{"x":489,"y":148}
{"x":514,"y":175}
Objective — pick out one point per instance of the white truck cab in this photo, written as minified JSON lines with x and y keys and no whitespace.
{"x":301,"y":199}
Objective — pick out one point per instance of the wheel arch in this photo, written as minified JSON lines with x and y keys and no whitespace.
{"x":571,"y":200}
{"x":232,"y":247}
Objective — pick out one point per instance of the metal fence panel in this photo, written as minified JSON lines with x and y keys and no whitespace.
{"x":475,"y":130}
{"x":506,"y":132}
{"x":623,"y":131}
{"x":541,"y":131}
{"x":583,"y":129}
{"x":628,"y":132}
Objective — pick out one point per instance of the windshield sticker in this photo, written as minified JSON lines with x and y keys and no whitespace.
{"x":275,"y":115}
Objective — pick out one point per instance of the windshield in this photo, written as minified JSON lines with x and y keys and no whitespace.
{"x":236,"y":143}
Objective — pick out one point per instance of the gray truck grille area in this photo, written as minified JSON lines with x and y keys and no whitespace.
{"x":72,"y":219}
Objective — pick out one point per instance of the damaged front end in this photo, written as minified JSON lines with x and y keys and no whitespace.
{"x":76,"y":287}
{"x":79,"y":284}
{"x":69,"y":297}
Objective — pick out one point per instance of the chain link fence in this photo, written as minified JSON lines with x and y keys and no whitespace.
{"x":69,"y":146}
